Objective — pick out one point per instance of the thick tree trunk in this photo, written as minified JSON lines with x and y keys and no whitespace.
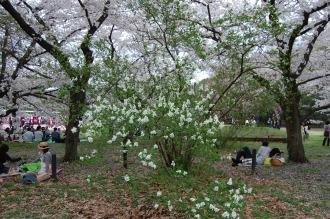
{"x":76,"y":109}
{"x":293,"y":128}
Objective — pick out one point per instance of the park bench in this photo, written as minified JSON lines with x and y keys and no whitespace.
{"x":260,"y":139}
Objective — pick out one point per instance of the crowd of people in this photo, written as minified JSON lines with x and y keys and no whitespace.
{"x":31,"y":134}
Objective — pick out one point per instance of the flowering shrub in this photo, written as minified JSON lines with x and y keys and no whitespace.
{"x":223,"y":200}
{"x":172,"y":112}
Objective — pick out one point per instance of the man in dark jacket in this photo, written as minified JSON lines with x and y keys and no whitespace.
{"x":56,"y":136}
{"x":4,"y":157}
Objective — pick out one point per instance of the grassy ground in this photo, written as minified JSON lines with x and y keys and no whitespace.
{"x":95,"y":188}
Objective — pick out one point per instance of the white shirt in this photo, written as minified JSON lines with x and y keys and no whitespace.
{"x":263,"y":152}
{"x":45,"y":162}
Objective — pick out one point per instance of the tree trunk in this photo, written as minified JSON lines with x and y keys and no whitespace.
{"x":290,"y":107}
{"x":76,"y":109}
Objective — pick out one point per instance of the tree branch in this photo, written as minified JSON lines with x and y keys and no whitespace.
{"x":312,"y":79}
{"x":113,"y":50}
{"x":8,"y":112}
{"x":23,"y":60}
{"x":314,"y":110}
{"x":40,"y":21}
{"x":86,"y":13}
{"x":53,"y":50}
{"x":296,"y":31}
{"x":310,"y":46}
{"x":4,"y":53}
{"x":84,"y":46}
{"x":37,"y":72}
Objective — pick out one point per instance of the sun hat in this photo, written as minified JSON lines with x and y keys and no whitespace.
{"x":43,"y":145}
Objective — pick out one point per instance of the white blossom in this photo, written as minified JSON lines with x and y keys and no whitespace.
{"x":90,"y":139}
{"x":225,"y":214}
{"x":230,"y":182}
{"x":74,"y":130}
{"x":126,"y":178}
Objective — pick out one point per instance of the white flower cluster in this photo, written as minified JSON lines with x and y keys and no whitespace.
{"x":181,"y":172}
{"x":88,"y":157}
{"x":226,"y":157}
{"x":176,"y":112}
{"x":146,"y":159}
{"x":230,"y":209}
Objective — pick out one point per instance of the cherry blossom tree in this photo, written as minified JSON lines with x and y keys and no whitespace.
{"x":21,"y":79}
{"x":62,"y":29}
{"x":297,"y":62}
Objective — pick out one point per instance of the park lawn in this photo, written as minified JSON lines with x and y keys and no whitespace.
{"x":276,"y":191}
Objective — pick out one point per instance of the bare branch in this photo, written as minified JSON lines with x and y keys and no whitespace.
{"x":40,"y":21}
{"x":88,"y":53}
{"x":37,"y":72}
{"x":4,"y":53}
{"x":86,"y":13}
{"x":242,"y":71}
{"x":312,"y":27}
{"x":23,"y":60}
{"x":297,"y":30}
{"x":69,"y":35}
{"x":113,"y":50}
{"x":53,"y":50}
{"x":313,"y":79}
{"x":310,"y":46}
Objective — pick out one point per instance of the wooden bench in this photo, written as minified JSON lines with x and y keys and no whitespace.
{"x":260,"y":139}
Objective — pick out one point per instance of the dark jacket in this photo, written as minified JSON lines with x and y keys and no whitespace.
{"x":56,"y":136}
{"x":4,"y":157}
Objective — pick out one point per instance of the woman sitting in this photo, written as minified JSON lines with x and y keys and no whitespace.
{"x":45,"y":158}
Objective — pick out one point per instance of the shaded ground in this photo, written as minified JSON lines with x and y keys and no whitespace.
{"x":293,"y":190}
{"x":290,"y":191}
{"x":73,"y":197}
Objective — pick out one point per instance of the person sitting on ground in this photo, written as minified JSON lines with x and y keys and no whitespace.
{"x":28,"y":135}
{"x":45,"y":158}
{"x":4,"y":157}
{"x":263,"y":153}
{"x":56,"y":136}
{"x":46,"y":134}
{"x":245,"y":153}
{"x":38,"y":135}
{"x":9,"y":133}
{"x":326,"y":133}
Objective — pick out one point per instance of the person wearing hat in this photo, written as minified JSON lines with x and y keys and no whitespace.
{"x":45,"y":161}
